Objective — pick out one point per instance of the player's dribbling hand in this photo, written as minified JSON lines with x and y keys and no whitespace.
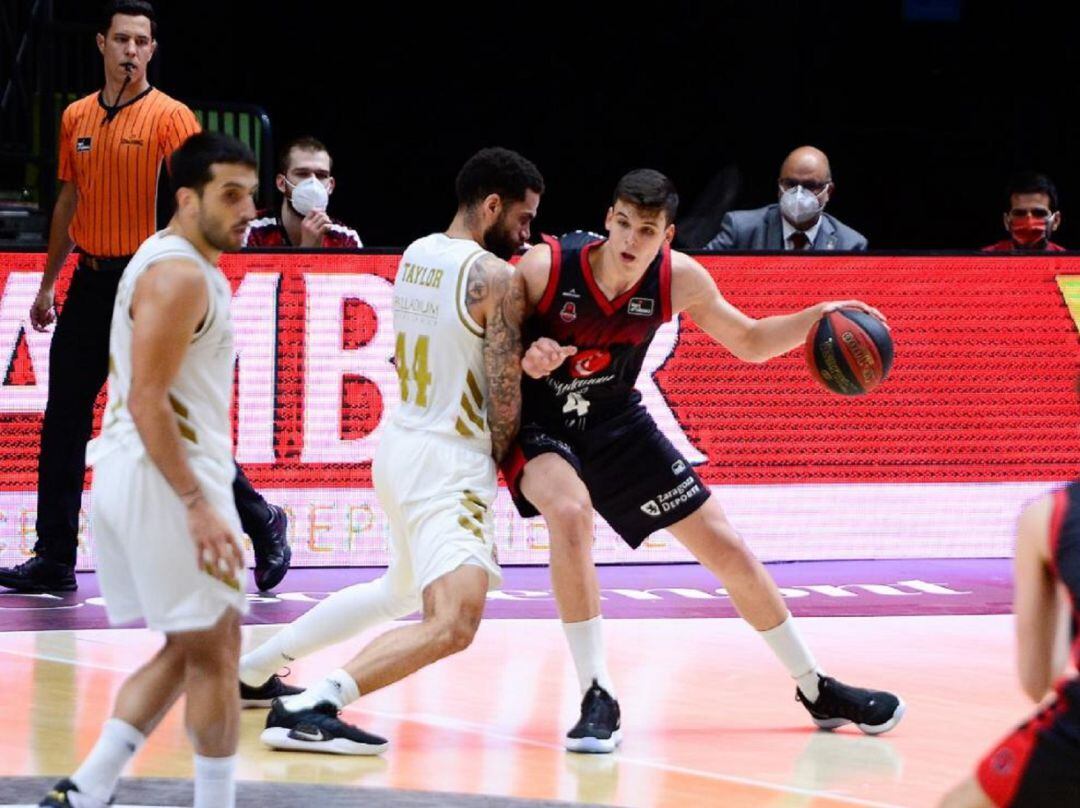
{"x":43,"y":311}
{"x":313,"y":228}
{"x":217,"y":551}
{"x":544,"y":356}
{"x":835,"y":305}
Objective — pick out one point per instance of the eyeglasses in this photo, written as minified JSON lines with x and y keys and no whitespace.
{"x":1038,"y":213}
{"x":787,"y":183}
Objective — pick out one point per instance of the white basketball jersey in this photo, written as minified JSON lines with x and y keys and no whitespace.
{"x":438,"y":345}
{"x":201,"y":392}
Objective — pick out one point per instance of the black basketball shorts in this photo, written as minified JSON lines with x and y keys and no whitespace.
{"x":636,"y":479}
{"x":1038,"y":764}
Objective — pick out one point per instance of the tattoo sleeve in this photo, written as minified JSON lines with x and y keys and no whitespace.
{"x":502,"y":350}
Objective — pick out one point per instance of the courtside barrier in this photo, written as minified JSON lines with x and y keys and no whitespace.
{"x":978,"y":416}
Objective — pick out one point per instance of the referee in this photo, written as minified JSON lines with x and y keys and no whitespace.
{"x":112,"y":144}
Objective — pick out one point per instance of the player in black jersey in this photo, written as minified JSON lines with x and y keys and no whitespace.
{"x":587,"y":442}
{"x":1039,"y":763}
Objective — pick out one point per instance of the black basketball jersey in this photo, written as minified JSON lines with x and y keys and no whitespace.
{"x":1065,"y":548}
{"x":612,"y":336}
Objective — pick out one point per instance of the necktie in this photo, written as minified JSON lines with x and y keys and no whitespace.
{"x":798,"y":240}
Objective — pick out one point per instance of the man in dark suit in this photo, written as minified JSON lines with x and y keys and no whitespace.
{"x":798,"y":222}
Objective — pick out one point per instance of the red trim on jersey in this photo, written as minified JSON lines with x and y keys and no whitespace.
{"x":609,"y":307}
{"x":553,"y":274}
{"x":512,"y":467}
{"x":1002,"y":771}
{"x":665,"y":282}
{"x":1057,"y":520}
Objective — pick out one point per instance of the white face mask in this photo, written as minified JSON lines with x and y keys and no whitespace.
{"x":799,"y":206}
{"x":308,"y":195}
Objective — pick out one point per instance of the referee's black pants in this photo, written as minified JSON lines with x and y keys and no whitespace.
{"x":78,"y":368}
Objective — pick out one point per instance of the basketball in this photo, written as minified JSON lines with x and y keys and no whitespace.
{"x":849,"y":352}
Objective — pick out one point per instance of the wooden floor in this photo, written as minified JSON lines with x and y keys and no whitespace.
{"x":709,"y":717}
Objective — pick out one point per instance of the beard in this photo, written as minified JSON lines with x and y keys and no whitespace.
{"x":218,"y":234}
{"x":501,"y":240}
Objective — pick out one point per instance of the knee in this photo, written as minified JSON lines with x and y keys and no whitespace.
{"x":455,"y":633}
{"x":570,"y":522}
{"x":216,"y":651}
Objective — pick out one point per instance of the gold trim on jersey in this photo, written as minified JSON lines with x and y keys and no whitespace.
{"x":182,"y":413}
{"x":462,"y":311}
{"x":462,"y":429}
{"x":474,"y":388}
{"x":474,"y":522}
{"x":471,"y":407}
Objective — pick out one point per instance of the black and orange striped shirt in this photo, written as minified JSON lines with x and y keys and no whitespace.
{"x":115,"y":166}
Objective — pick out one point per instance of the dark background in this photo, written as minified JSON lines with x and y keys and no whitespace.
{"x":924,"y":120}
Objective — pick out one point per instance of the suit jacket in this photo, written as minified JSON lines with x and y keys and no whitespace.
{"x":761,"y":230}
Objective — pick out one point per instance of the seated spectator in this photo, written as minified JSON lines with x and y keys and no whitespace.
{"x":306,"y":183}
{"x":1031,"y":217}
{"x":798,"y":222}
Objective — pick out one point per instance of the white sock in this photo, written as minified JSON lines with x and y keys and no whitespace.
{"x":586,"y":640}
{"x":215,"y":782}
{"x":338,"y":688}
{"x":786,"y":642}
{"x":100,"y":772}
{"x":344,"y":614}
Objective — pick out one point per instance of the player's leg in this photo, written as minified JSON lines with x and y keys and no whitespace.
{"x":708,"y":535}
{"x":344,"y":614}
{"x":143,"y":700}
{"x":267,"y":526}
{"x":966,"y":795}
{"x":212,"y":710}
{"x":552,"y":485}
{"x":453,"y":606}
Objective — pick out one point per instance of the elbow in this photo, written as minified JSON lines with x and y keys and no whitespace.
{"x":1035,"y":683}
{"x":748,"y":351}
{"x":140,"y":406}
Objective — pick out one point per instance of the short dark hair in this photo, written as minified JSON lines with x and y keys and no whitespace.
{"x":1031,"y":182}
{"x":496,"y":171}
{"x":190,"y":165}
{"x":648,"y":189}
{"x":130,"y":8}
{"x":304,"y":143}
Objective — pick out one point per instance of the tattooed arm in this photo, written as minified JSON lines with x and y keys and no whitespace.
{"x":496,"y":300}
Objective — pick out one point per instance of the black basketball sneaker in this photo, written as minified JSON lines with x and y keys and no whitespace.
{"x":264,"y":694}
{"x":66,"y":794}
{"x":598,"y":730}
{"x":872,"y":711}
{"x":318,"y":730}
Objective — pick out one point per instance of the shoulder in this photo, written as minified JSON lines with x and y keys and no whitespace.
{"x":168,"y":109}
{"x":81,"y":106}
{"x":746,"y":218}
{"x":688,"y":277}
{"x":843,"y":231}
{"x":343,"y":235}
{"x":260,"y":231}
{"x":535,"y":269}
{"x":998,"y":246}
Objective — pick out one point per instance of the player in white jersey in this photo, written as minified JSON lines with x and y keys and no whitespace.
{"x":166,"y":532}
{"x":458,"y":308}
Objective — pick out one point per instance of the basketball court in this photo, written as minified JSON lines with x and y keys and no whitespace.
{"x":709,"y":717}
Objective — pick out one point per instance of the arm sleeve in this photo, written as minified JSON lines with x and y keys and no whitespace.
{"x":66,"y":168}
{"x":176,"y":126}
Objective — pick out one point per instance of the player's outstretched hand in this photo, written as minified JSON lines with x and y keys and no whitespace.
{"x":853,"y":304}
{"x":544,"y":356}
{"x":217,"y":550}
{"x":313,"y":228}
{"x":43,"y":311}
